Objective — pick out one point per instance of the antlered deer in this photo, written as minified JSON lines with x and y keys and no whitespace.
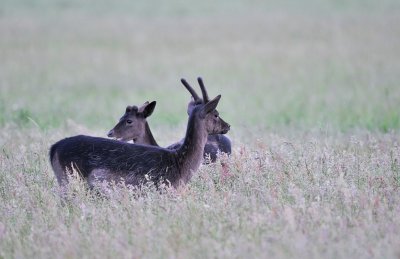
{"x":99,"y":159}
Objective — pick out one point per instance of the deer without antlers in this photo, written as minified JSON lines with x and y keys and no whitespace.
{"x":98,"y":159}
{"x":133,"y":126}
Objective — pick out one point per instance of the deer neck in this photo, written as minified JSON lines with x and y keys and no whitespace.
{"x":147,"y":138}
{"x":190,"y":154}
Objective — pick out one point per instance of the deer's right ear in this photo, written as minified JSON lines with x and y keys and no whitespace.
{"x":148,"y":110}
{"x":211,"y":105}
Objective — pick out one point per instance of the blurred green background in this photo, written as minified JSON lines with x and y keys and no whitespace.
{"x":278,"y":64}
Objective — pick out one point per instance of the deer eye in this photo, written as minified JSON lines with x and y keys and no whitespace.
{"x":129,"y":121}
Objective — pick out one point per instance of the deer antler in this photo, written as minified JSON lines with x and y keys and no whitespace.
{"x":203,"y":90}
{"x":191,"y":90}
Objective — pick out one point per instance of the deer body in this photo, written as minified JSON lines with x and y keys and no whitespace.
{"x":99,"y":159}
{"x":215,"y":143}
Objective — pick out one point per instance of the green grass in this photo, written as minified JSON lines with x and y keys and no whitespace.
{"x":310,"y":88}
{"x":301,"y":69}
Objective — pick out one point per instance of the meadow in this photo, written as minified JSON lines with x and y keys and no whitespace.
{"x":311,"y":89}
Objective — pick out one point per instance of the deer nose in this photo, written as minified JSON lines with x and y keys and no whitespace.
{"x":110,"y":133}
{"x":227,"y":128}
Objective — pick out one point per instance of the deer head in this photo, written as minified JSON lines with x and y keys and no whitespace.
{"x":132,"y":124}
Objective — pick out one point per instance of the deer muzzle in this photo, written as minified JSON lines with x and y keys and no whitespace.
{"x":110,"y":134}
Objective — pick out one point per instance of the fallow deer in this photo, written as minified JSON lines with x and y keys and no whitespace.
{"x":215,"y":142}
{"x":98,"y":159}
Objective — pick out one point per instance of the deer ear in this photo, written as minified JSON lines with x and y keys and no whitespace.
{"x":148,"y":110}
{"x":211,"y":105}
{"x":141,"y":108}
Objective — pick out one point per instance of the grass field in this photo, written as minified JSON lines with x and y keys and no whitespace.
{"x":311,"y":89}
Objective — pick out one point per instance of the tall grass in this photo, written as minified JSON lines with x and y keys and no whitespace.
{"x":289,"y":195}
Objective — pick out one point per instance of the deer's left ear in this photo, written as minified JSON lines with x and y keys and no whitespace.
{"x":210,"y":106}
{"x":148,"y":110}
{"x":141,"y":108}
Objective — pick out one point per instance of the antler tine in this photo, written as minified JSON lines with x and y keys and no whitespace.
{"x":190,"y":89}
{"x":203,"y":90}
